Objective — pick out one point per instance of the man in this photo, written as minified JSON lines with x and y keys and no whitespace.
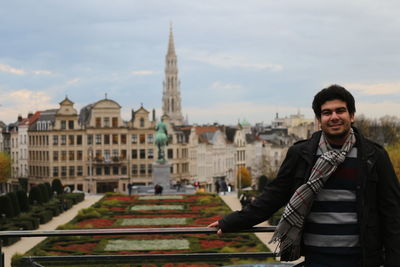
{"x":342,"y":193}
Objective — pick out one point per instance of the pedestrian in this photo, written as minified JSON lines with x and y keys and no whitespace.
{"x":341,"y":191}
{"x":129,"y":189}
{"x":224,"y":187}
{"x":217,"y":186}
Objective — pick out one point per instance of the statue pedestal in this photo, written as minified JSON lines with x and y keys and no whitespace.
{"x":162,"y":174}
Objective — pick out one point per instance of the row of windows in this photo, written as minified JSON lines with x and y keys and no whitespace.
{"x":38,"y":155}
{"x":62,"y":171}
{"x":115,"y":139}
{"x":142,"y":170}
{"x":67,"y":139}
{"x":106,"y":122}
{"x":64,"y":124}
{"x":70,"y":155}
{"x":39,"y":140}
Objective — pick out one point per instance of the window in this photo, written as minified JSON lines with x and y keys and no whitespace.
{"x":142,"y":169}
{"x":90,"y":139}
{"x":142,"y":138}
{"x":63,"y":140}
{"x":106,"y":170}
{"x":115,"y":170}
{"x":150,"y":154}
{"x":98,"y":139}
{"x":98,"y":122}
{"x":63,"y":125}
{"x":149,"y":169}
{"x":114,"y":122}
{"x":55,"y":155}
{"x":98,"y":155}
{"x":142,"y":153}
{"x":63,"y":155}
{"x":115,"y":153}
{"x":55,"y":171}
{"x":71,"y":155}
{"x":134,"y":139}
{"x":106,"y":139}
{"x":170,"y":153}
{"x":150,"y":138}
{"x":123,"y":154}
{"x":63,"y":171}
{"x":106,"y":154}
{"x":71,"y":171}
{"x":79,"y":155}
{"x":134,"y":154}
{"x":71,"y":125}
{"x":123,"y":139}
{"x":134,"y":170}
{"x":98,"y":170}
{"x":123,"y":170}
{"x":55,"y":140}
{"x":79,"y":170}
{"x":79,"y":139}
{"x":71,"y":139}
{"x":141,"y":122}
{"x":106,"y":122}
{"x":115,"y":139}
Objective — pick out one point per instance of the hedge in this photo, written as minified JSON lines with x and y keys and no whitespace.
{"x":23,"y":200}
{"x":56,"y":186}
{"x":35,"y":196}
{"x":6,"y":206}
{"x":15,"y":204}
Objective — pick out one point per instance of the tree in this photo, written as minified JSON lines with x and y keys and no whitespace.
{"x":23,"y":200}
{"x":394,"y":154}
{"x":5,"y":167}
{"x":244,"y":176}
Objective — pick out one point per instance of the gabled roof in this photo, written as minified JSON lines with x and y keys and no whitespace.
{"x":66,"y":101}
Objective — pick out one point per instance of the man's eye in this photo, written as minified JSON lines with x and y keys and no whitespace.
{"x":326,"y":113}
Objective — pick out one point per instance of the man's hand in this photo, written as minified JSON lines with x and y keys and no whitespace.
{"x":216,"y":225}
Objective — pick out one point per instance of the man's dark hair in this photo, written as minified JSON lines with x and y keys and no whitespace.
{"x":331,"y":93}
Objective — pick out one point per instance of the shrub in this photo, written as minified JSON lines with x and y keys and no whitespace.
{"x":15,"y":203}
{"x":34,"y":195}
{"x":43,"y":193}
{"x":23,"y":200}
{"x":56,"y":186}
{"x":16,"y":260}
{"x":48,"y":189}
{"x":6,"y":206}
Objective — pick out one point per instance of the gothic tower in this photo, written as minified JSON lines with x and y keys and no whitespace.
{"x":171,"y":105}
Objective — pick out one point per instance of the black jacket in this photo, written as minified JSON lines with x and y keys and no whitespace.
{"x":378,"y":199}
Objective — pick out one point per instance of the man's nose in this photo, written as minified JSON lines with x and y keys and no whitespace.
{"x":334,"y":116}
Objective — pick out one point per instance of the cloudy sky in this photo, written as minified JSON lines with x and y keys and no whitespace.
{"x":237,"y":59}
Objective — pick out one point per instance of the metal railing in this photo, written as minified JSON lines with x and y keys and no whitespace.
{"x":29,"y":261}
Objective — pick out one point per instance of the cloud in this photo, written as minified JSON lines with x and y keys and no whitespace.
{"x":389,"y":88}
{"x":42,"y":72}
{"x":143,"y":72}
{"x":230,"y":61}
{"x":231,"y":112}
{"x":9,"y":69}
{"x":23,"y":101}
{"x":377,"y":110}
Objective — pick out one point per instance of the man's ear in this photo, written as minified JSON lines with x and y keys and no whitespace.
{"x":352,"y":117}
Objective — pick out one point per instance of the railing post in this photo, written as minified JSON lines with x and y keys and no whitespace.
{"x":1,"y":254}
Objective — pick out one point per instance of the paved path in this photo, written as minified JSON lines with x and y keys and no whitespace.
{"x":233,"y":202}
{"x":26,"y":243}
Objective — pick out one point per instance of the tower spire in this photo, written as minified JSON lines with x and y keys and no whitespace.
{"x":171,"y":100}
{"x":171,"y":45}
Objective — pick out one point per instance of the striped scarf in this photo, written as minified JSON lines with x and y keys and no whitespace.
{"x":289,"y":230}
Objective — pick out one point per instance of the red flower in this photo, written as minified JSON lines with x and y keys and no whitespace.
{"x":96,"y":223}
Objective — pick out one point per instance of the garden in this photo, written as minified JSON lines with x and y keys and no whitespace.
{"x":148,"y":211}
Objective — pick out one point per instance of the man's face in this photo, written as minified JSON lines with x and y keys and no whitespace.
{"x":335,"y":120}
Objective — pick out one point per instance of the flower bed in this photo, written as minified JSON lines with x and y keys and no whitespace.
{"x":118,"y":211}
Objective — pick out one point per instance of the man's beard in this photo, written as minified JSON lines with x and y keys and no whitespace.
{"x":338,"y":136}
